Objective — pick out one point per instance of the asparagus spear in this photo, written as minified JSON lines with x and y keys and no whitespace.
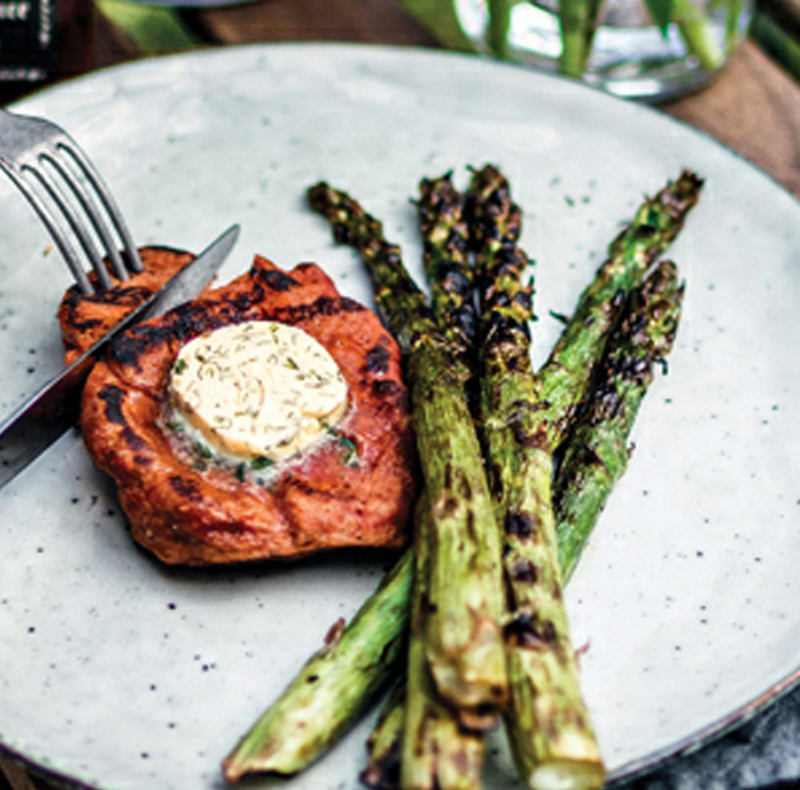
{"x":596,"y":453}
{"x":372,"y":644}
{"x":594,"y":459}
{"x":562,"y":379}
{"x":414,"y":724}
{"x":463,"y":637}
{"x":445,"y":234}
{"x":437,"y":752}
{"x":344,"y":676}
{"x":547,"y":721}
{"x":382,"y":771}
{"x":591,"y":469}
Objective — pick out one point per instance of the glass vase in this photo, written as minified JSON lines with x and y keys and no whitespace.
{"x":616,"y":45}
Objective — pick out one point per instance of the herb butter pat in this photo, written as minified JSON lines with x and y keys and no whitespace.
{"x":257,"y":390}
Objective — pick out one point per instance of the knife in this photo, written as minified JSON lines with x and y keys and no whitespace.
{"x":49,"y":413}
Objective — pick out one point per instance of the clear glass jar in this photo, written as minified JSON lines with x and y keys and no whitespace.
{"x":628,"y":54}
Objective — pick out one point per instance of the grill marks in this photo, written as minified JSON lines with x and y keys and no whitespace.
{"x":188,"y":321}
{"x":377,"y":359}
{"x":200,"y":513}
{"x":277,"y":280}
{"x":529,"y":631}
{"x":112,"y":396}
{"x":185,"y":488}
{"x":85,"y":318}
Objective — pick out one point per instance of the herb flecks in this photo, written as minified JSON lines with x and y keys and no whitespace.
{"x":261,"y":463}
{"x":348,"y":447}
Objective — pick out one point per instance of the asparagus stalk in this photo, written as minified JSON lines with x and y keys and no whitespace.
{"x":445,"y":234}
{"x":355,"y":665}
{"x":370,"y":651}
{"x":463,"y":636}
{"x":425,"y":731}
{"x":596,"y":453}
{"x":417,"y":738}
{"x":525,"y":418}
{"x":594,"y":459}
{"x":384,"y":744}
{"x":495,"y":219}
{"x":563,"y":378}
{"x":547,"y":721}
{"x":437,"y":751}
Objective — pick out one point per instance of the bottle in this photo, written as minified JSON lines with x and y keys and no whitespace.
{"x":41,"y":42}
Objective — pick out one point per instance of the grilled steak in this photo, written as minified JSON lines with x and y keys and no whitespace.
{"x":85,"y":318}
{"x":354,"y":487}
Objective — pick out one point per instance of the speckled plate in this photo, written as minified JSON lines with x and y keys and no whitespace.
{"x":120,"y":673}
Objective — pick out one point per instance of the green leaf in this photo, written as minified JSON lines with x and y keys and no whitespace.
{"x":661,"y":11}
{"x":155,"y":30}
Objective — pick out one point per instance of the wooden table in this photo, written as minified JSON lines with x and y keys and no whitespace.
{"x":753,"y":107}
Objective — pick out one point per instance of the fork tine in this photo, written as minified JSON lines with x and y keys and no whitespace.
{"x":134,"y":261}
{"x":45,"y":215}
{"x":66,"y":190}
{"x":58,"y":197}
{"x":90,"y":210}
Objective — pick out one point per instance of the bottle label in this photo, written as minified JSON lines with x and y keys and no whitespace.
{"x":27,"y":45}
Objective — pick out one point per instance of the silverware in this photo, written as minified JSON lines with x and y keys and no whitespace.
{"x":68,"y":194}
{"x":50,"y":412}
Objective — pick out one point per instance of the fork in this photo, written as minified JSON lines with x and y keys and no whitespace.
{"x":66,"y":190}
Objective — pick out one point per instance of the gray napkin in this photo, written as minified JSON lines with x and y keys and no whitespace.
{"x":763,"y":752}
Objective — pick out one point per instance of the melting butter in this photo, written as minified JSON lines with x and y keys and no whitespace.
{"x":257,"y":390}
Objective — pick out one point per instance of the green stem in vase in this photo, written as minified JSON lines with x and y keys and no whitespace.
{"x":732,"y":21}
{"x":696,"y":31}
{"x":578,"y":21}
{"x":499,"y":25}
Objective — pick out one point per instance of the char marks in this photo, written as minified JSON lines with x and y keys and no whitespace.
{"x":355,"y":490}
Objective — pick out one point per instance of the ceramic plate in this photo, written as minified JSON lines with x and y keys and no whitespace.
{"x":119,"y":672}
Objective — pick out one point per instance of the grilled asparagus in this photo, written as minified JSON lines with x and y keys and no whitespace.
{"x":463,"y":636}
{"x":372,"y":644}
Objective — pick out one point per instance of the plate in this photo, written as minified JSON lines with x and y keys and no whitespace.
{"x":118,"y":672}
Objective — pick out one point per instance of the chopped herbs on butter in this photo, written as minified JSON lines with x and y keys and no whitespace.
{"x":257,"y":390}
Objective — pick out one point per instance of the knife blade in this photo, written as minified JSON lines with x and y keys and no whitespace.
{"x":47,"y":414}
